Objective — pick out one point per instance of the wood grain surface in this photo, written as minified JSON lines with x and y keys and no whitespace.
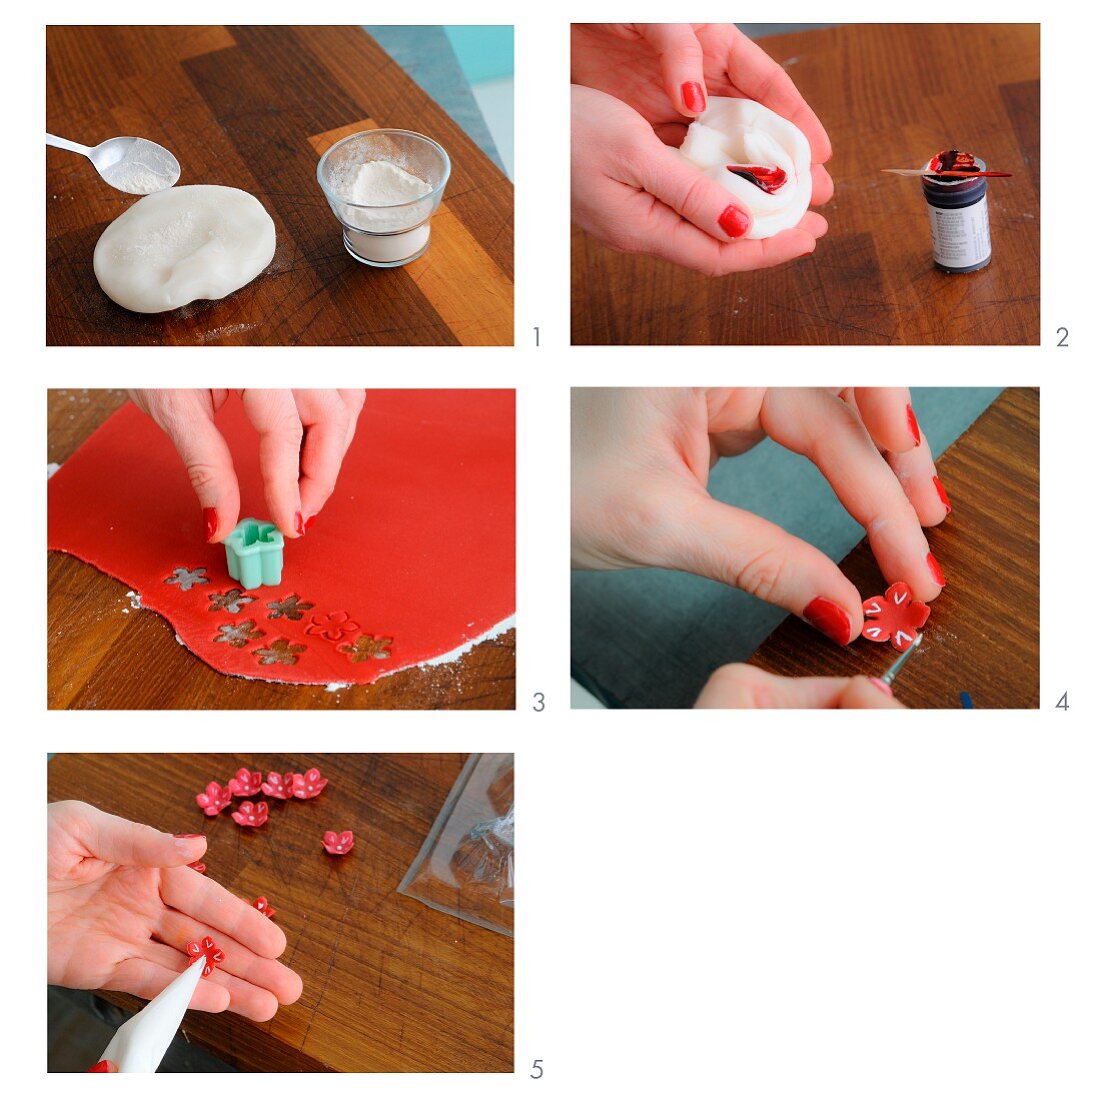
{"x":390,"y":985}
{"x":983,"y":634}
{"x":890,"y":96}
{"x":254,"y":107}
{"x":105,"y":654}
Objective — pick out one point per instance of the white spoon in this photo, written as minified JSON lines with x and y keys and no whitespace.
{"x":134,"y":165}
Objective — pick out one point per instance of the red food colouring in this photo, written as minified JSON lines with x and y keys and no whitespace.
{"x":766,"y":179}
{"x":953,"y":160}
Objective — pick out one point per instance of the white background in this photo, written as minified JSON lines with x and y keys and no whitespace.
{"x":743,"y":904}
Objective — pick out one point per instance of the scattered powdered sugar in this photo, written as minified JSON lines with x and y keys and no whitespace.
{"x":459,"y":651}
{"x":134,"y":600}
{"x":336,"y":687}
{"x":146,"y":167}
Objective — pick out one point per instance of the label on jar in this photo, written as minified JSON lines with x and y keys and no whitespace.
{"x":961,"y":237}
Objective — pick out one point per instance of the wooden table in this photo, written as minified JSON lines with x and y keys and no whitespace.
{"x":390,"y":984}
{"x":890,"y":96}
{"x":104,"y":655}
{"x":255,"y":107}
{"x":983,"y":634}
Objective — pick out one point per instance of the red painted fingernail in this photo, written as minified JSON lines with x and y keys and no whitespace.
{"x":881,"y":685}
{"x":102,"y":1067}
{"x":942,"y":495}
{"x":188,"y":836}
{"x":829,"y":618}
{"x":300,"y":528}
{"x":936,"y":572}
{"x":913,"y":426}
{"x":734,"y":221}
{"x":694,"y":99}
{"x":308,"y":522}
{"x":210,"y":517}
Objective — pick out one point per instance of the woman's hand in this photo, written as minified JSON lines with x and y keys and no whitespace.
{"x":664,"y":73}
{"x":303,"y":436}
{"x":743,"y":687}
{"x":123,"y":904}
{"x":640,"y":460}
{"x":636,"y":194}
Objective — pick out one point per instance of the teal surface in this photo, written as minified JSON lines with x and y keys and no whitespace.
{"x":484,"y":52}
{"x":427,"y":55}
{"x":650,"y":637}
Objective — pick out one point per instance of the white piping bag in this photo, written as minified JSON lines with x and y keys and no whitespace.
{"x":139,"y":1044}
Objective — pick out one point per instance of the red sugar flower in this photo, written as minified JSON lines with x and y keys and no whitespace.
{"x":278,"y":786}
{"x":245,"y":783}
{"x":308,"y":785}
{"x":213,"y":954}
{"x":213,"y":799}
{"x":338,"y":843}
{"x":334,"y":627}
{"x":250,"y":815}
{"x":263,"y":906}
{"x":198,"y":866}
{"x":894,"y":617}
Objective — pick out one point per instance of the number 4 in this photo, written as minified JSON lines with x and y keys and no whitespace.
{"x":1062,"y":703}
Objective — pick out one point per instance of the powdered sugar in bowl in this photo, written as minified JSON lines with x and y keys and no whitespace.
{"x":384,"y":186}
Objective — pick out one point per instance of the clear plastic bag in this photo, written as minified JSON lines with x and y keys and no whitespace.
{"x":466,"y":865}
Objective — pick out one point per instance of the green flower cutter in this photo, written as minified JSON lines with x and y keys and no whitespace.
{"x":255,"y":552}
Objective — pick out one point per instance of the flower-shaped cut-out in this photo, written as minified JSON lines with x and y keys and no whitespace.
{"x":263,"y":906}
{"x":251,"y":816}
{"x":213,"y":954}
{"x":337,"y":844}
{"x":279,"y":652}
{"x":308,"y":785}
{"x":366,"y":648}
{"x":198,"y":866}
{"x":278,"y":786}
{"x":213,"y":799}
{"x":895,"y":617}
{"x":334,"y":627}
{"x":245,"y":783}
{"x":290,"y":607}
{"x":187,"y":578}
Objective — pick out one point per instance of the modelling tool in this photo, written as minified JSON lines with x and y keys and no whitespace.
{"x":955,"y":175}
{"x":898,"y":664}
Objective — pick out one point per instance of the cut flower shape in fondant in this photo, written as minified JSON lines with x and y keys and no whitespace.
{"x":251,"y":816}
{"x":213,"y":799}
{"x":278,"y":786}
{"x":307,"y":785}
{"x":213,"y":954}
{"x":263,"y":906}
{"x":334,"y":627}
{"x":895,"y":617}
{"x":337,"y":844}
{"x":245,"y":783}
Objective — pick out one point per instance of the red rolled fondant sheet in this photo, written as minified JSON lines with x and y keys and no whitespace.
{"x":412,"y":558}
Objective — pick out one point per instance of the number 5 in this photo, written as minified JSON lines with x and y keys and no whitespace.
{"x":537,"y":1069}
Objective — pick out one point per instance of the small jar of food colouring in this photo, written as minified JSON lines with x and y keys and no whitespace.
{"x":958,"y":210}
